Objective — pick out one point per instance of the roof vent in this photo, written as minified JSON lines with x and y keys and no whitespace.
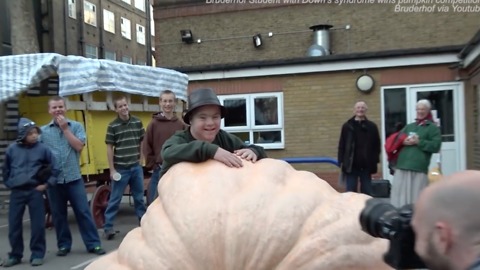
{"x":321,"y":40}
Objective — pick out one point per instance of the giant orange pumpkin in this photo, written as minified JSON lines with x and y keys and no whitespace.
{"x":265,"y":215}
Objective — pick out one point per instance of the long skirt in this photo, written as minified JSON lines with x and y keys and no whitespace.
{"x":407,"y":186}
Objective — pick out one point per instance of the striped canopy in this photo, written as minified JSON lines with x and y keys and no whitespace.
{"x":78,"y":75}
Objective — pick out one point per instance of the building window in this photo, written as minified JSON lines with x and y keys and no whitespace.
{"x":127,"y":59}
{"x":109,"y":21}
{"x":91,"y":51}
{"x":110,"y":55}
{"x":90,"y":13}
{"x":140,"y":4}
{"x":255,"y":118}
{"x":141,"y":63}
{"x":140,"y":34}
{"x":72,"y":9}
{"x":125,"y":27}
{"x":128,"y":1}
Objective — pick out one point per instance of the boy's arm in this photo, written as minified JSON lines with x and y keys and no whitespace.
{"x":110,"y":141}
{"x":148,"y":152}
{"x":141,"y":144}
{"x":75,"y":135}
{"x":6,"y":168}
{"x":110,"y":158}
{"x":52,"y":180}
{"x":177,"y":149}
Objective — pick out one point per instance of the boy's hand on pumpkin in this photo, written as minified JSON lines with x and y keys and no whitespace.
{"x":246,"y":154}
{"x":227,"y":158}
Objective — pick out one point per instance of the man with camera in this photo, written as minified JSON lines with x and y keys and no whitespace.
{"x":446,"y":222}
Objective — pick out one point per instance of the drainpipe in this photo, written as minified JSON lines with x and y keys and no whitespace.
{"x":65,"y":33}
{"x":148,"y":34}
{"x":80,"y":27}
{"x":38,"y":17}
{"x":101,"y":47}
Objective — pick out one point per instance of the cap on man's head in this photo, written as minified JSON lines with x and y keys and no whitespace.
{"x":202,"y":97}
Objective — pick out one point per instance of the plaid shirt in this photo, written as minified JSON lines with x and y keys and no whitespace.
{"x":66,"y":157}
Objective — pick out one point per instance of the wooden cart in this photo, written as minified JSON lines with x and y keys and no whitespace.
{"x":89,"y":86}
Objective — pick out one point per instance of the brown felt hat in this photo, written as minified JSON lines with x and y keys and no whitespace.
{"x":201,"y":97}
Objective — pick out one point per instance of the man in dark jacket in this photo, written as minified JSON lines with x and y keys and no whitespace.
{"x":359,"y":150}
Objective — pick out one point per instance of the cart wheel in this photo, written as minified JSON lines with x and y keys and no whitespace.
{"x":48,"y":213}
{"x":98,"y":204}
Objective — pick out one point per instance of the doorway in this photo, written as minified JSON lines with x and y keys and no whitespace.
{"x":398,"y":108}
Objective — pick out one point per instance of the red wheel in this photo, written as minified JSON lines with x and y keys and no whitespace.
{"x":48,"y":213}
{"x":98,"y":204}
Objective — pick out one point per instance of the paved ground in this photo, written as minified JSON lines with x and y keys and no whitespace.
{"x":78,"y":259}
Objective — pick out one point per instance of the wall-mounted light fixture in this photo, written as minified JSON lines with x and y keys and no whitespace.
{"x":257,"y":40}
{"x":187,"y":36}
{"x":365,"y":83}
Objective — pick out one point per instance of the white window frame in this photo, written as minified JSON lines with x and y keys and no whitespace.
{"x":109,"y":21}
{"x":114,"y":55}
{"x":125,"y":57}
{"x":89,"y":54}
{"x":126,"y":28}
{"x":152,"y":22}
{"x":140,"y":34}
{"x":128,"y":1}
{"x":140,"y":4}
{"x":89,"y":18}
{"x":250,"y":126}
{"x":72,"y":9}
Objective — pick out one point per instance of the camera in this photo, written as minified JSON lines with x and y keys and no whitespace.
{"x":383,"y":220}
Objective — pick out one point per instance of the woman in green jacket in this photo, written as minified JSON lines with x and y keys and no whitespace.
{"x":411,"y":171}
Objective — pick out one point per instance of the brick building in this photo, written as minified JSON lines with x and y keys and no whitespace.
{"x":306,"y":99}
{"x":110,"y":29}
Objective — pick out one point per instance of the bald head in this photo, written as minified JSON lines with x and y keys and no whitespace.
{"x":455,"y":200}
{"x":360,"y":103}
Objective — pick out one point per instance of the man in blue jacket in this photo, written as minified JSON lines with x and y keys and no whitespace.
{"x":28,"y":170}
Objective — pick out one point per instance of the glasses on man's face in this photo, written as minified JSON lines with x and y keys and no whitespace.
{"x":29,"y":124}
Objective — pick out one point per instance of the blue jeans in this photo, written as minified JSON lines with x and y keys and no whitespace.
{"x":153,"y":185}
{"x":365,"y":181}
{"x":74,"y":192}
{"x":36,"y":208}
{"x":133,"y":177}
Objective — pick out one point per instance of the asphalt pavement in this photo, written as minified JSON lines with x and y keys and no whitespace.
{"x":78,"y":258}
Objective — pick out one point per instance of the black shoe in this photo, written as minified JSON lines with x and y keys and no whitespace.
{"x":97,"y":250}
{"x":110,"y":234}
{"x":63,"y":252}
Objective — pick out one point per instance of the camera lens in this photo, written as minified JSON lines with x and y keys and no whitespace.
{"x":371,"y":217}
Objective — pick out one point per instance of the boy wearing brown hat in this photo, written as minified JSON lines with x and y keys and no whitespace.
{"x":28,"y":169}
{"x":204,"y":140}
